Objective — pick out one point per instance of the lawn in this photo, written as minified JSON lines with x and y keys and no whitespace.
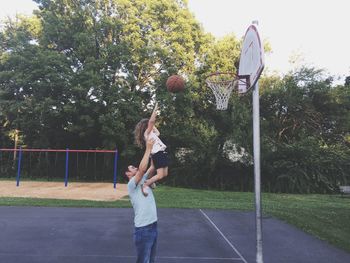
{"x":324,"y":216}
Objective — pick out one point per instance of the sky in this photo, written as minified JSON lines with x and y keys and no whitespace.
{"x":308,"y":32}
{"x":314,"y":31}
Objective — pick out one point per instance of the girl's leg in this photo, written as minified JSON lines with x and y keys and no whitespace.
{"x":161,"y":173}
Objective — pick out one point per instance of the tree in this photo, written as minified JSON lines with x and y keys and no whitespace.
{"x":82,"y":73}
{"x":303,"y":147}
{"x":347,"y":81}
{"x":108,"y":60}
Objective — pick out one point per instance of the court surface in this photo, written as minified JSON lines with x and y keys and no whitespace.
{"x":98,"y":235}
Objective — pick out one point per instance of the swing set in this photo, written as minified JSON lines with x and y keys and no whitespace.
{"x":86,"y":165}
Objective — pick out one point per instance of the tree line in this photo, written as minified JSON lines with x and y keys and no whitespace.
{"x":80,"y":74}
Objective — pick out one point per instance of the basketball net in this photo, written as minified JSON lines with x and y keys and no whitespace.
{"x":222,"y":85}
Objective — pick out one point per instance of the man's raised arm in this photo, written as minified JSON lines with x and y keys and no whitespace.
{"x":144,"y":162}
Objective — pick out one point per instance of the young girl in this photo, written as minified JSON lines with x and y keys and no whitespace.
{"x":146,"y":129}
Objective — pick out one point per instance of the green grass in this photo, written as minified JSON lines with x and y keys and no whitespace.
{"x":324,"y":216}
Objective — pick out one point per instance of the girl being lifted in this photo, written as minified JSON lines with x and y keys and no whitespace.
{"x":145,"y":130}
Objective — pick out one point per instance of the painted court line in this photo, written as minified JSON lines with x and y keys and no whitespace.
{"x":228,"y":242}
{"x":201,"y":258}
{"x":116,"y":256}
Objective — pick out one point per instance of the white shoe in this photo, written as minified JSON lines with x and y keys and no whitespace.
{"x":144,"y":189}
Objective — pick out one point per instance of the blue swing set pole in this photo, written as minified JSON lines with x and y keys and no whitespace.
{"x":115,"y":169}
{"x":66,"y":176}
{"x":19,"y":166}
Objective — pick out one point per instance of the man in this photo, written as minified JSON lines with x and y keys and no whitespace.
{"x":145,"y":219}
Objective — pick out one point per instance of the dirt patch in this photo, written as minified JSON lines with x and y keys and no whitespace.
{"x":57,"y":190}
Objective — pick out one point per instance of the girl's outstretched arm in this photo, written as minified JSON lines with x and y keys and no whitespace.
{"x":152,"y":119}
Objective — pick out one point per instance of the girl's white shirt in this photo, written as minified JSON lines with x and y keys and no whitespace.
{"x":158,"y":144}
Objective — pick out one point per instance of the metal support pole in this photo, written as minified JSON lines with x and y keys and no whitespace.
{"x":19,"y":166}
{"x":67,"y":162}
{"x":115,"y":169}
{"x":257,"y":181}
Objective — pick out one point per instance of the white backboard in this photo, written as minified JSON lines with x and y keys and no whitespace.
{"x":251,"y":62}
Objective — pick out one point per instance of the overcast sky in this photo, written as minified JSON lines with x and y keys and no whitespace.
{"x":316,"y":31}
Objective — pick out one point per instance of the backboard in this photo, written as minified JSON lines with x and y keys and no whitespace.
{"x":251,"y":62}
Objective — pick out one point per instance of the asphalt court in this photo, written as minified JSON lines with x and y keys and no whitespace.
{"x":77,"y":235}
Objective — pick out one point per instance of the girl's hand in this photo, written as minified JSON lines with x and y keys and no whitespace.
{"x":152,"y":119}
{"x":155,"y":107}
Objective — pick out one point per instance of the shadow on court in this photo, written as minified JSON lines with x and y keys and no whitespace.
{"x":97,"y":235}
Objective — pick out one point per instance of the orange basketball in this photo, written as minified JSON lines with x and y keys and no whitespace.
{"x":175,"y":83}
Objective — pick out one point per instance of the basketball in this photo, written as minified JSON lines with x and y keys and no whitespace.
{"x":175,"y":83}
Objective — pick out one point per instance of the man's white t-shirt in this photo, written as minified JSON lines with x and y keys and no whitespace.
{"x":158,"y":144}
{"x":144,"y":206}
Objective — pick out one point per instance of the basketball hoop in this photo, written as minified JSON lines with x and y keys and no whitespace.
{"x":222,"y":85}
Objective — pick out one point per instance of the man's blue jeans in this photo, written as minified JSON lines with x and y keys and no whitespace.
{"x":146,"y":243}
